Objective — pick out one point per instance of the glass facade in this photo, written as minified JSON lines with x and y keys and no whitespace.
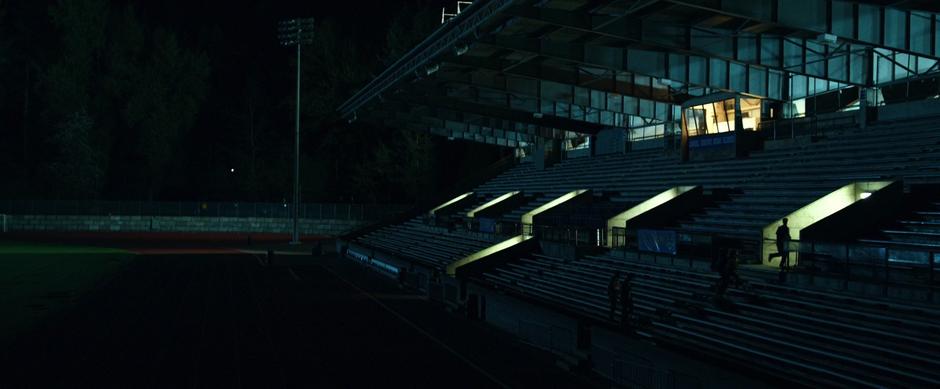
{"x":719,"y":116}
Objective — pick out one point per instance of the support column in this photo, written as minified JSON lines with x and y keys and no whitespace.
{"x":862,"y":107}
{"x":538,"y":155}
{"x":868,"y":70}
{"x":684,"y":148}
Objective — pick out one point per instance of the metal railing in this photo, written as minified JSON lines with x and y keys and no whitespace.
{"x":792,"y":128}
{"x":619,"y":236}
{"x":447,"y":226}
{"x":574,"y":235}
{"x":202,"y":209}
{"x":890,"y":263}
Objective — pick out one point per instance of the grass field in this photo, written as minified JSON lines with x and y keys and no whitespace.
{"x":19,"y":248}
{"x":230,"y":321}
{"x":39,"y":280}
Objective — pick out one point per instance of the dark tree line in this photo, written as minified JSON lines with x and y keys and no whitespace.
{"x":107,"y":100}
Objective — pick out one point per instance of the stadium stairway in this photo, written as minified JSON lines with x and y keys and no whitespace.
{"x":920,"y":228}
{"x":793,"y":177}
{"x":802,"y":335}
{"x":434,"y":247}
{"x":771,"y":183}
{"x":808,"y":337}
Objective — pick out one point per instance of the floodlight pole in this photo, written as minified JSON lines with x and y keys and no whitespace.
{"x":295,"y":238}
{"x":293,"y":34}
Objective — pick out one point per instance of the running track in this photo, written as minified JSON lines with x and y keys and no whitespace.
{"x":223,"y":320}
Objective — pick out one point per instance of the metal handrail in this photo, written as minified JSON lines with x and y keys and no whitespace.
{"x":809,"y":125}
{"x":854,"y":261}
{"x":576,"y":235}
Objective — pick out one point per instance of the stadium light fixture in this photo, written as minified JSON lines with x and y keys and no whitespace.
{"x":296,"y":32}
{"x":461,"y":5}
{"x":864,"y":195}
{"x":446,"y":16}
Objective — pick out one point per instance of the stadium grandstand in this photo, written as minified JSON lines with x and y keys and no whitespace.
{"x":661,"y":139}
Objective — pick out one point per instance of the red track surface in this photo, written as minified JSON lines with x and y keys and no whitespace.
{"x":161,"y":243}
{"x":184,"y":251}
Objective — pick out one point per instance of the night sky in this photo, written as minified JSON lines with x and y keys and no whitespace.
{"x":249,"y":27}
{"x":247,"y":71}
{"x":244,"y":32}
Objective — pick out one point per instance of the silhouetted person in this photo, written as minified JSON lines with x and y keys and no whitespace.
{"x":402,"y":277}
{"x":626,"y":302}
{"x":718,"y":261}
{"x":612,"y":292}
{"x":783,"y":245}
{"x":728,"y":271}
{"x":270,"y":257}
{"x":717,"y":258}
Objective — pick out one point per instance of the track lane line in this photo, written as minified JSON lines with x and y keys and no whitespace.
{"x":292,"y":274}
{"x":419,"y":329}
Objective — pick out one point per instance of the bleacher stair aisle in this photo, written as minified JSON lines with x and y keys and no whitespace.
{"x":785,"y":332}
{"x":815,"y":338}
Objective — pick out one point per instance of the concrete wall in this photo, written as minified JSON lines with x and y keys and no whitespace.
{"x":537,"y":326}
{"x":79,"y":223}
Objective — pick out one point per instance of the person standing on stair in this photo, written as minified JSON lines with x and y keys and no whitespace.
{"x":728,"y":271}
{"x":402,"y":277}
{"x":783,"y":245}
{"x":626,"y":303}
{"x":612,"y":292}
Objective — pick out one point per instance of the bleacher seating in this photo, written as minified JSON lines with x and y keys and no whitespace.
{"x":813,"y":337}
{"x":772,"y":182}
{"x":807,"y":336}
{"x":432,"y":246}
{"x":921,"y":229}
